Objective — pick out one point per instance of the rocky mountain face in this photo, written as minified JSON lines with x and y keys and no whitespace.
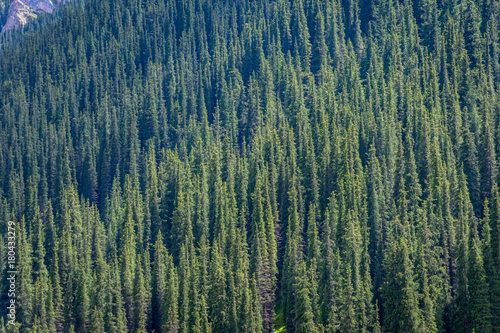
{"x":21,"y":11}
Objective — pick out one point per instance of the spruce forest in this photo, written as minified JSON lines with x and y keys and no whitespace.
{"x":305,"y":166}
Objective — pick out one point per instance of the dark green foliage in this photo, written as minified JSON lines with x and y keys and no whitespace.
{"x":402,"y":313}
{"x":479,"y":303}
{"x":249,"y":166}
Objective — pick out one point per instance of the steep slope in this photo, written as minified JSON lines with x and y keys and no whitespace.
{"x":250,"y":165}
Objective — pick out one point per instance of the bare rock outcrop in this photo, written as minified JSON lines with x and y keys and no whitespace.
{"x":21,"y":11}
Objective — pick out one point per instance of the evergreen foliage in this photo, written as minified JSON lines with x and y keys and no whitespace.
{"x":253,"y":166}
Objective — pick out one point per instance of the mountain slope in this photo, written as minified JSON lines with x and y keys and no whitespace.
{"x":246,"y":166}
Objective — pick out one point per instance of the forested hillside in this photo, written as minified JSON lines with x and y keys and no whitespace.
{"x":253,"y":165}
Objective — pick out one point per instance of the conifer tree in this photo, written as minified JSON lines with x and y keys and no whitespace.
{"x":217,"y":293}
{"x":348,"y":317}
{"x":140,"y":306}
{"x":489,"y":169}
{"x":330,"y":282}
{"x":491,"y":262}
{"x":401,"y":303}
{"x":171,"y":314}
{"x":25,"y":285}
{"x":479,"y":303}
{"x":304,"y":316}
{"x":159,"y":283}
